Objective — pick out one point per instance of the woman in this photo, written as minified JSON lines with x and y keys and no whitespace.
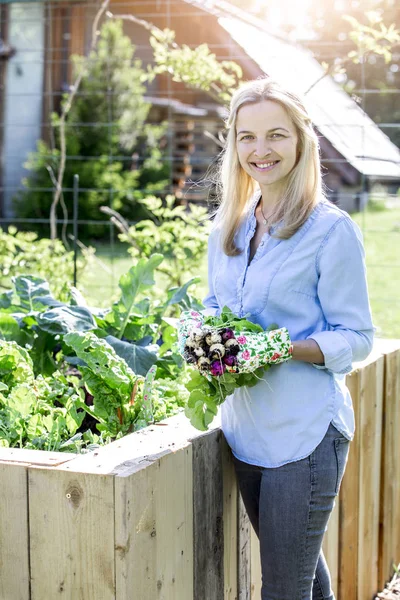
{"x":281,"y":253}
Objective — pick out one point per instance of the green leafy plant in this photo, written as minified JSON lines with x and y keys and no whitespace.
{"x":109,"y":380}
{"x":177,"y":233}
{"x":73,"y":377}
{"x":195,"y":67}
{"x":373,"y":38}
{"x":23,"y":252}
{"x":35,"y":412}
{"x":56,"y":412}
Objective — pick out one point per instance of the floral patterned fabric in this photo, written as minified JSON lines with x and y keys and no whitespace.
{"x":252,"y":350}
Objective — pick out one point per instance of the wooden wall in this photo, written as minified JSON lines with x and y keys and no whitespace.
{"x":157,"y":514}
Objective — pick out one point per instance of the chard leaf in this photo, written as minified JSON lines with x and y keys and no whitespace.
{"x":135,"y":281}
{"x":139,"y":359}
{"x":77,"y":298}
{"x":34,"y":293}
{"x":133,"y":330}
{"x":90,"y":410}
{"x":103,"y":361}
{"x":65,"y":319}
{"x":105,"y":399}
{"x":177,"y":294}
{"x":73,"y":417}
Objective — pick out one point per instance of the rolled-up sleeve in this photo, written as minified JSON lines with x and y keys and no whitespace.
{"x":210,"y":301}
{"x":343,"y":295}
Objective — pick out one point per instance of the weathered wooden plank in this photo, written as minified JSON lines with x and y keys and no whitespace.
{"x":71,"y":523}
{"x":330,"y":546}
{"x":78,"y":26}
{"x":35,"y":457}
{"x":208,"y":555}
{"x":255,"y":568}
{"x":244,"y":552}
{"x":230,"y":526}
{"x":154,"y":530}
{"x":135,"y":533}
{"x":14,"y":540}
{"x":389,"y":544}
{"x":142,"y":447}
{"x":348,"y":505}
{"x":174,"y":526}
{"x":371,"y":407}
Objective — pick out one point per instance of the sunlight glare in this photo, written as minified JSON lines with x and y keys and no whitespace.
{"x":283,"y":13}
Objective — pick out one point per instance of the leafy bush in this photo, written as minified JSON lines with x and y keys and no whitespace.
{"x":23,"y":252}
{"x":178,"y":234}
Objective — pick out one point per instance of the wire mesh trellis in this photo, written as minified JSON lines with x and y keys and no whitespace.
{"x":38,"y":73}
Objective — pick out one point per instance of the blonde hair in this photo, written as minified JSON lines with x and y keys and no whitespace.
{"x":235,"y":187}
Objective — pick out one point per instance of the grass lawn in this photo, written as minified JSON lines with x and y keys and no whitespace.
{"x":382,"y":247}
{"x":381,"y":231}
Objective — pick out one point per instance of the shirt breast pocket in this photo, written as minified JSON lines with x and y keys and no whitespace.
{"x":301,"y":278}
{"x":296,"y":292}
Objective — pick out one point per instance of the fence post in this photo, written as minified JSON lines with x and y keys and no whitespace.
{"x":75,"y":224}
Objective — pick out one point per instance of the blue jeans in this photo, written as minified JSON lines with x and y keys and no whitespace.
{"x":289,"y":508}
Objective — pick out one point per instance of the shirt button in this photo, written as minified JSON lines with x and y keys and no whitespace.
{"x":261,"y":243}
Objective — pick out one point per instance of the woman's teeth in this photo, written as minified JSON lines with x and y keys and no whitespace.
{"x":266,"y":165}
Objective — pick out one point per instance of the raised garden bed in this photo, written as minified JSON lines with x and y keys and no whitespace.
{"x":156,"y":514}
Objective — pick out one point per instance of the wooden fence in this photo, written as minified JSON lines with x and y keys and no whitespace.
{"x":157,"y":515}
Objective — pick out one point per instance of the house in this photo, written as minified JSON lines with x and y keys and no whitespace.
{"x":356,"y":154}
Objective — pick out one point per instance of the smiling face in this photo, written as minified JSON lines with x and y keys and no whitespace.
{"x":266,"y":142}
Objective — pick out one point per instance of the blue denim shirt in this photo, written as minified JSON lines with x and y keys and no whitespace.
{"x":313,"y":283}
